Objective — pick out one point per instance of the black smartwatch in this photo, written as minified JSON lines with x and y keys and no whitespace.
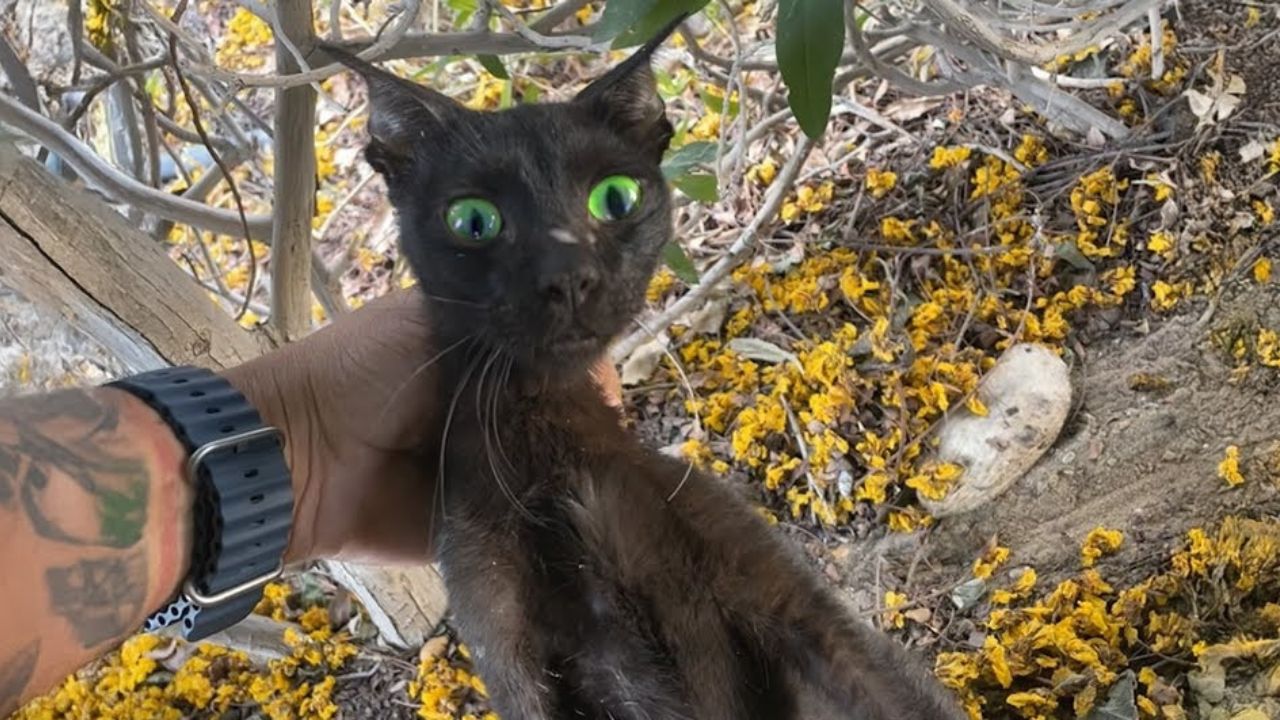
{"x":243,"y":496}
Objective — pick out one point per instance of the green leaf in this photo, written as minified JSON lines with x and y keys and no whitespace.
{"x":810,"y":39}
{"x":683,"y":159}
{"x":462,"y":10}
{"x":1071,"y":254}
{"x":680,"y":264}
{"x":619,"y":16}
{"x":660,"y":13}
{"x":432,"y":68}
{"x":670,"y":85}
{"x":699,"y":186}
{"x":493,"y":64}
{"x":716,"y":104}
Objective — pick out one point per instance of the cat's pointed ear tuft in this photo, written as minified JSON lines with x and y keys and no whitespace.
{"x":400,"y":112}
{"x":627,"y":98}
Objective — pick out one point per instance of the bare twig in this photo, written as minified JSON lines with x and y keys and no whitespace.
{"x":379,"y":48}
{"x":148,"y":110}
{"x":1157,"y":42}
{"x":976,"y":24}
{"x":282,"y":38}
{"x":335,"y":20}
{"x":120,"y":186}
{"x":412,"y":45}
{"x":122,"y":124}
{"x":549,"y":42}
{"x":556,"y":15}
{"x":294,"y":182}
{"x":737,"y":252}
{"x":217,"y":160}
{"x":75,"y":30}
{"x":873,"y":63}
{"x":113,"y":75}
{"x":1067,"y":81}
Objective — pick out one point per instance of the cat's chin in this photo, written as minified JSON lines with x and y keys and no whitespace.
{"x":574,"y":353}
{"x":564,"y":359}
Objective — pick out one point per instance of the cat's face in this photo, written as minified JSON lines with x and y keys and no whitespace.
{"x":534,"y":229}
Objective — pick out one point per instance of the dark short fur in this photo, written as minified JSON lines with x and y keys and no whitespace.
{"x":595,"y":578}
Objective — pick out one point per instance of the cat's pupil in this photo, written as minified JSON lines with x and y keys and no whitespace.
{"x":616,"y":201}
{"x":477,"y":224}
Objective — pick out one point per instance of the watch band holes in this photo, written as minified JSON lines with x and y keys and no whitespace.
{"x":197,"y":393}
{"x":257,"y":499}
{"x":252,"y":473}
{"x":227,"y":428}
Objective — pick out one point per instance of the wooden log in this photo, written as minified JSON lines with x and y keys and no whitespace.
{"x":65,"y":250}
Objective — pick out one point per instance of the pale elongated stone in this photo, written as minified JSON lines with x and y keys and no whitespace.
{"x":1027,"y":395}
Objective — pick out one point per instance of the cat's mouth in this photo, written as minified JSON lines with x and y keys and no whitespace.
{"x":575,"y":346}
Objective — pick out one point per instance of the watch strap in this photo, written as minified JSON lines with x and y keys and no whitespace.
{"x":243,"y":495}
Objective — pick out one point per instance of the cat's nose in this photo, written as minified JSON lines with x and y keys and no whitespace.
{"x":569,"y":287}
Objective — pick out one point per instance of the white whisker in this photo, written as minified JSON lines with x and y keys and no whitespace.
{"x":688,"y":388}
{"x":489,"y":430}
{"x":444,"y":434}
{"x":416,"y":372}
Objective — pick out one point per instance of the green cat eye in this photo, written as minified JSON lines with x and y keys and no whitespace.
{"x":473,"y":220}
{"x":614,"y":198}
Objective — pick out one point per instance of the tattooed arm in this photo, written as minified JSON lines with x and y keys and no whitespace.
{"x":95,"y":513}
{"x":94,"y":530}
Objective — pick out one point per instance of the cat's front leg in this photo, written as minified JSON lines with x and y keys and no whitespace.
{"x":489,"y":594}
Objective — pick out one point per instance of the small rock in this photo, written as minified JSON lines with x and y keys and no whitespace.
{"x":434,"y":647}
{"x":968,"y":594}
{"x":919,"y":615}
{"x":1210,"y":684}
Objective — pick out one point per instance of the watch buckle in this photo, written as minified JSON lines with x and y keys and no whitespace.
{"x":193,"y":468}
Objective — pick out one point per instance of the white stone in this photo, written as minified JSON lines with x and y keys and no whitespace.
{"x":1027,"y":395}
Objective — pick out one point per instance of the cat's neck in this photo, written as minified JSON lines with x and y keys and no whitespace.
{"x":493,"y":372}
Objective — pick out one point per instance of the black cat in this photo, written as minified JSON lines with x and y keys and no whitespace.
{"x":594,"y":578}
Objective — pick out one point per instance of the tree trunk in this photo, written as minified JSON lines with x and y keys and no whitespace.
{"x":67,"y":251}
{"x":294,"y":179}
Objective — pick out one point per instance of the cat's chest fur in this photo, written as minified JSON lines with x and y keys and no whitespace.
{"x":598,"y":579}
{"x":556,"y":500}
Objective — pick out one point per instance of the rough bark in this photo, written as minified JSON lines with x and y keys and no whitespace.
{"x":295,"y":173}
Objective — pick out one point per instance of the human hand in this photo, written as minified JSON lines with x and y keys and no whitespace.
{"x":359,"y":411}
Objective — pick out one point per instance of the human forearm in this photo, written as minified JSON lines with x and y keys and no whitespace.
{"x":94,"y":530}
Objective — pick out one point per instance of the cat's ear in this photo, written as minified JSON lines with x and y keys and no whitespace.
{"x":627,"y":98}
{"x":400,"y":113}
